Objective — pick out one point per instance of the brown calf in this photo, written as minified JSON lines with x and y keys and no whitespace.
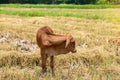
{"x":52,"y":44}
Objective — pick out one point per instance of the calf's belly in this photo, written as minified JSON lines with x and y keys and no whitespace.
{"x":53,"y":52}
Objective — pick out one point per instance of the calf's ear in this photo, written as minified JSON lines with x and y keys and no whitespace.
{"x":67,"y":41}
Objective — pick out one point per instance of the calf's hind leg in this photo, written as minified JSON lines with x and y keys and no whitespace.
{"x":44,"y":59}
{"x":52,"y":64}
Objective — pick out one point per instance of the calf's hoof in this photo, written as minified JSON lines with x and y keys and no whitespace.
{"x":53,"y":74}
{"x":43,"y":71}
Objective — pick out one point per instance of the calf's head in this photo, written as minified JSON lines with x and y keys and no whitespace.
{"x":70,"y":44}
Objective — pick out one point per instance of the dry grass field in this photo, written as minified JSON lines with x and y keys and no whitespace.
{"x":98,"y":48}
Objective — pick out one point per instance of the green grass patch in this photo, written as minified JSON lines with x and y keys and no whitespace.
{"x":102,"y":12}
{"x":49,"y":13}
{"x":71,"y":6}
